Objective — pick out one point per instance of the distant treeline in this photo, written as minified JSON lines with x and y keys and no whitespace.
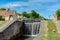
{"x":33,"y":15}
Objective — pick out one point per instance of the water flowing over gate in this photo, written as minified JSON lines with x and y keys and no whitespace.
{"x":32,"y":28}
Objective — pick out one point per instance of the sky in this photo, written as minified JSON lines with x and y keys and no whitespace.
{"x":45,"y":8}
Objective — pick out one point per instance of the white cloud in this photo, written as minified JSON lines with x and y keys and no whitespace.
{"x":29,"y":3}
{"x":12,"y":5}
{"x":43,"y":0}
{"x":53,"y":7}
{"x":15,"y":4}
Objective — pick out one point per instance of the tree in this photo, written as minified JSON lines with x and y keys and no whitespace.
{"x":25,"y":14}
{"x":58,"y":14}
{"x":2,"y":9}
{"x":28,"y":15}
{"x":19,"y":14}
{"x":1,"y":18}
{"x":34,"y":14}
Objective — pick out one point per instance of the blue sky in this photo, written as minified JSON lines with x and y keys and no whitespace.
{"x":45,"y":8}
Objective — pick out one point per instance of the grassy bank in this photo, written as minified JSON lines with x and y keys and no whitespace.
{"x":52,"y":33}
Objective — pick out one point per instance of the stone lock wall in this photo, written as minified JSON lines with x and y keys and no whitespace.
{"x":11,"y":31}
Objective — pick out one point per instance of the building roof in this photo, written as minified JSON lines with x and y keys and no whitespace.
{"x":7,"y":12}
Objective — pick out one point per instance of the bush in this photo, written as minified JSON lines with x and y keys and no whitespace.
{"x":2,"y":19}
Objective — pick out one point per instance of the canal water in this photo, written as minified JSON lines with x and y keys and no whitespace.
{"x":25,"y":38}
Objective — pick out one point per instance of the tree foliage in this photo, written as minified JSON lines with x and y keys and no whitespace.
{"x":1,"y":18}
{"x":58,"y":14}
{"x":25,"y":14}
{"x":19,"y":14}
{"x":32,"y":15}
{"x":2,"y":9}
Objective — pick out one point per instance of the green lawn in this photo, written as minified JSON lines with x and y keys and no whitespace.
{"x":52,"y":33}
{"x":2,"y":23}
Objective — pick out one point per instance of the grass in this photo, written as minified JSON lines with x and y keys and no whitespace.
{"x":2,"y":23}
{"x":52,"y":33}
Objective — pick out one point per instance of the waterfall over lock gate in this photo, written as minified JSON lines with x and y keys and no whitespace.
{"x":31,"y":28}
